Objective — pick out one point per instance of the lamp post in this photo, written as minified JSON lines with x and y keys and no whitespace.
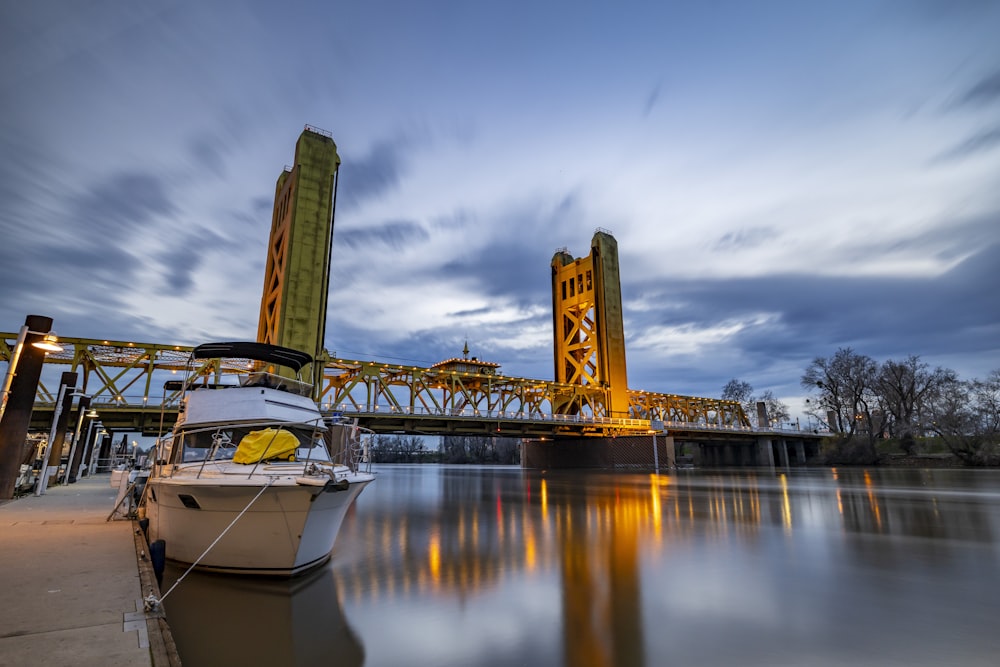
{"x":53,"y":448}
{"x":47,"y":344}
{"x":69,"y":476}
{"x":20,"y":384}
{"x":83,"y":467}
{"x":95,"y":450}
{"x":656,"y":425}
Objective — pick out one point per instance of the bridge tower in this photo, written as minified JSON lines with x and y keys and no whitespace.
{"x":297,"y":274}
{"x":588,"y":327}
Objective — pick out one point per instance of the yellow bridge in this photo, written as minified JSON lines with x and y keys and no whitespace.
{"x":130,"y":387}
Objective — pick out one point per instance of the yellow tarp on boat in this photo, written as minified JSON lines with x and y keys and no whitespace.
{"x":271,"y":443}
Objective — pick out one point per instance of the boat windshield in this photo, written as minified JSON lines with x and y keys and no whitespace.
{"x":249,"y":444}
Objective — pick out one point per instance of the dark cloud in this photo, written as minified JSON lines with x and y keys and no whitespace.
{"x":745,"y":238}
{"x":395,"y":235}
{"x":209,"y":154}
{"x":125,"y":203}
{"x":793,"y":318}
{"x":367,"y":177}
{"x":980,"y":142}
{"x":984,"y":92}
{"x":182,"y":258}
{"x":523,"y":237}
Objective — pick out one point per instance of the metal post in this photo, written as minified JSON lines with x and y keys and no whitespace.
{"x":8,"y":378}
{"x":69,"y":476}
{"x":656,"y":425}
{"x":53,"y":447}
{"x":88,"y":450}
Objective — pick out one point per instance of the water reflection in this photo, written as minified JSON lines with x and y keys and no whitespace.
{"x":499,"y":566}
{"x":227,"y":620}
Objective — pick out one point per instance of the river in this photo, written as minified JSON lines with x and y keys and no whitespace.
{"x":498,"y":566}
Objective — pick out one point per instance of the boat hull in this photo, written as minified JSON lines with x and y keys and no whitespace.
{"x":289,"y":529}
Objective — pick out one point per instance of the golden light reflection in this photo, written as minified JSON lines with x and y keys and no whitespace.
{"x":434,"y":557}
{"x":786,"y":504}
{"x":654,"y":488}
{"x":872,"y":500}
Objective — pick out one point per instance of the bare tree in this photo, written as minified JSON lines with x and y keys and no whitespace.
{"x":967,"y":417}
{"x":742,"y":392}
{"x":777,"y":411}
{"x":846,"y":383}
{"x":905,"y":388}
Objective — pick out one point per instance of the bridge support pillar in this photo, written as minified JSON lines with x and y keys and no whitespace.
{"x":624,"y":453}
{"x":765,"y":452}
{"x":671,"y":458}
{"x":800,"y":452}
{"x":783,"y":452}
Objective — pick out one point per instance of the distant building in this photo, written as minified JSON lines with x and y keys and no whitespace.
{"x":467,"y":365}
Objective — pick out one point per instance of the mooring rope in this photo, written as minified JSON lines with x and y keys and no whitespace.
{"x":152,"y":602}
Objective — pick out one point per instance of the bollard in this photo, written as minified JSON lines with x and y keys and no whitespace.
{"x":158,"y":557}
{"x":144,"y":524}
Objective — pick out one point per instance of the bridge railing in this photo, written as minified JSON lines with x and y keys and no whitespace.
{"x":474,"y":414}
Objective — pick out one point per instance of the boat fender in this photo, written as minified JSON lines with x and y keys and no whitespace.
{"x":158,"y":556}
{"x":332,"y":485}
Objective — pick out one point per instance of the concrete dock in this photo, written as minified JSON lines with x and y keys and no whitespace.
{"x":72,"y":583}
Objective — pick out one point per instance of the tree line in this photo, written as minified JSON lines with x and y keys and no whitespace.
{"x":479,"y":449}
{"x":865,"y":401}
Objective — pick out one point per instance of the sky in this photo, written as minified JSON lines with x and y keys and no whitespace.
{"x":783,"y":178}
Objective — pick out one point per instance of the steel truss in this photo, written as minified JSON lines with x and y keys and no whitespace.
{"x":124,"y":377}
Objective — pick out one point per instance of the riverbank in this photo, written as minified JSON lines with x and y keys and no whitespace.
{"x":73,"y":583}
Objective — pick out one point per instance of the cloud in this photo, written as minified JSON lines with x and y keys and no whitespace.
{"x":981,"y":142}
{"x":745,"y":238}
{"x":985,"y":91}
{"x":375,"y":174}
{"x":651,"y":100}
{"x":395,"y":235}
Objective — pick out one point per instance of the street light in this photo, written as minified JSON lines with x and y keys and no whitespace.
{"x":43,"y":474}
{"x":48,"y":343}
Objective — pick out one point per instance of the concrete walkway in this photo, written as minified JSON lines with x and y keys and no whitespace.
{"x":71,"y":583}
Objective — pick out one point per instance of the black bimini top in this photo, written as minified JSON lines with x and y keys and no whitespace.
{"x":269,"y":354}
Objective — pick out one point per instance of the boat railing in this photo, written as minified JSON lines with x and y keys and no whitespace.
{"x":274,"y":381}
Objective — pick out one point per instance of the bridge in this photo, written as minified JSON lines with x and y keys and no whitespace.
{"x":133,"y":387}
{"x":581,"y":417}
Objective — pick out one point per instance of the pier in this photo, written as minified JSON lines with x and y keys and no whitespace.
{"x":73,"y":583}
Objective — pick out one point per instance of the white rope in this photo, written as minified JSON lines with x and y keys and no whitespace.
{"x":216,"y":541}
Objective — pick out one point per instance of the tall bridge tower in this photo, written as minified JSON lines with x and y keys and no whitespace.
{"x":297,"y":275}
{"x":588,"y":326}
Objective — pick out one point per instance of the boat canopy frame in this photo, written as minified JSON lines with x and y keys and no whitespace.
{"x":264,"y":352}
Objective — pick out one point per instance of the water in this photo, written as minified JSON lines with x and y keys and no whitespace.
{"x":459,"y":566}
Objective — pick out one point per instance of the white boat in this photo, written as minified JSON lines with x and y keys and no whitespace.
{"x":251,"y":480}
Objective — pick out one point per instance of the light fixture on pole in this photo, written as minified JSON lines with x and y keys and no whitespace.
{"x":43,"y":474}
{"x":48,"y":343}
{"x":69,"y":475}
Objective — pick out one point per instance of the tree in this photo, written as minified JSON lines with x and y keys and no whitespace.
{"x":847,"y":388}
{"x":776,"y":410}
{"x":480,"y":449}
{"x":967,"y":417}
{"x":396,"y":449}
{"x":742,"y":392}
{"x":905,"y":388}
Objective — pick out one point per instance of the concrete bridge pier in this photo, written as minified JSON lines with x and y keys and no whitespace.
{"x":783,"y":452}
{"x":765,"y":452}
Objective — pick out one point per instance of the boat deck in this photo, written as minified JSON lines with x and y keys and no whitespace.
{"x":71,"y":583}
